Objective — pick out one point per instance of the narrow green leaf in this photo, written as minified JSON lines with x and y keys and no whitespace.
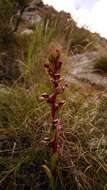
{"x":54,"y":160}
{"x":50,"y":176}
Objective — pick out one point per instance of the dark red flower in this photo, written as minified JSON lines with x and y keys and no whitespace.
{"x":53,"y":69}
{"x":44,"y":96}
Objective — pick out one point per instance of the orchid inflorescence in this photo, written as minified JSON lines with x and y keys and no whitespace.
{"x":53,"y":68}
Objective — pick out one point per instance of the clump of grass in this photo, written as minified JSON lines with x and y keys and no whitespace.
{"x":101,"y":64}
{"x":21,"y":130}
{"x":84,"y":143}
{"x":81,"y":40}
{"x":22,"y":150}
{"x":36,"y":53}
{"x":18,"y":106}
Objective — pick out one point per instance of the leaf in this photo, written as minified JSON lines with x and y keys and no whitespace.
{"x":48,"y":173}
{"x":50,"y":176}
{"x":54,"y":160}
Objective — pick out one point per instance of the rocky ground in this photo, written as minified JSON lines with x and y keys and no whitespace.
{"x":81,"y":68}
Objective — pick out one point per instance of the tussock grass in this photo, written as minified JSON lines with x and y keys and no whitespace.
{"x":83,"y":140}
{"x":101,"y":64}
{"x":84,"y":143}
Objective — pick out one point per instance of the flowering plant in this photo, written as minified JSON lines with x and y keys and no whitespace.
{"x":53,"y":69}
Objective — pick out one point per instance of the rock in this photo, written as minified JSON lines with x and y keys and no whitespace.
{"x":82,"y":68}
{"x":31,"y":12}
{"x":31,"y":17}
{"x":10,"y":68}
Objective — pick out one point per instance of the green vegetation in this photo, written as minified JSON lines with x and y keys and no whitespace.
{"x":81,"y":40}
{"x":8,"y":9}
{"x":24,"y":124}
{"x":101,"y":64}
{"x":25,"y":120}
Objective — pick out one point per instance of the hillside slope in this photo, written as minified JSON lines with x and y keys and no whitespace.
{"x":25,"y":119}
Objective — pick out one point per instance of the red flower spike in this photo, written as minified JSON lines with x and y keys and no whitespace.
{"x":59,"y":64}
{"x":60,"y":89}
{"x":58,"y":128}
{"x":57,"y":76}
{"x":55,"y":121}
{"x":53,"y":69}
{"x":51,"y":98}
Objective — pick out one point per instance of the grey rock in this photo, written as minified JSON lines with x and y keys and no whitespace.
{"x":82,"y":68}
{"x":10,"y":68}
{"x":30,"y":13}
{"x":31,"y":17}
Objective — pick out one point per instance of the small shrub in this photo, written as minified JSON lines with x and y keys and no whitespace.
{"x":101,"y":64}
{"x":6,"y":11}
{"x":80,"y":39}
